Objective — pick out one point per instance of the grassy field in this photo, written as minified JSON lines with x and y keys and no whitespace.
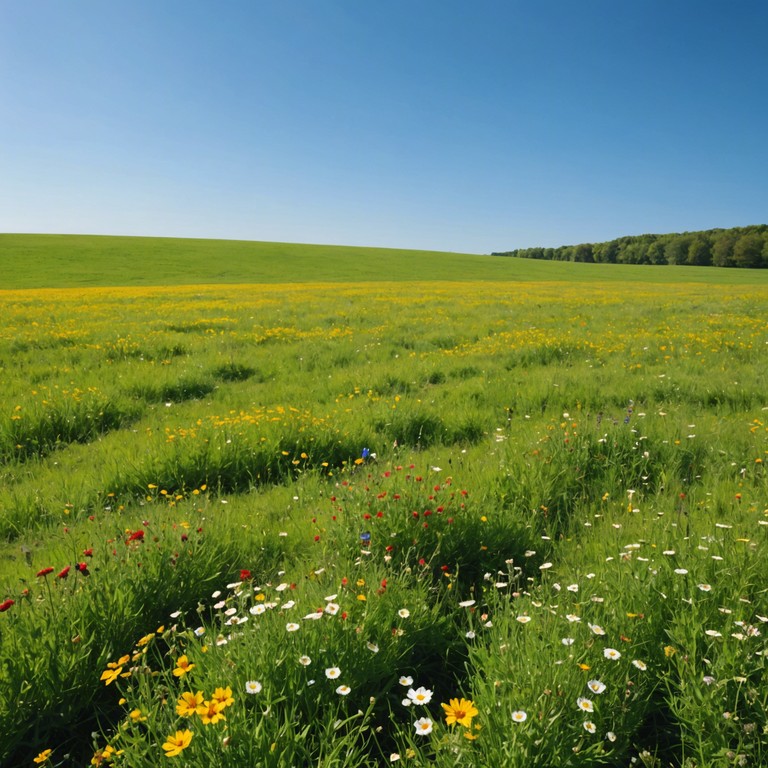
{"x":67,"y":261}
{"x":275,"y":505}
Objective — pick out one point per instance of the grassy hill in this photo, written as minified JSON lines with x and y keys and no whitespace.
{"x":45,"y":261}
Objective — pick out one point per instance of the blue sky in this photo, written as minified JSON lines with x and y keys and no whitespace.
{"x":436,"y":124}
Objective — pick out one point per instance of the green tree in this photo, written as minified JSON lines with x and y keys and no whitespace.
{"x":748,"y":251}
{"x":676,"y":249}
{"x":699,"y":253}
{"x":655,"y":253}
{"x":722,"y":249}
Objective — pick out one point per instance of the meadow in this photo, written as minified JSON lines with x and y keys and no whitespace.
{"x":506,"y":514}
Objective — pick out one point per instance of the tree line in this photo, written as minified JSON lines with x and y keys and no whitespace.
{"x":734,"y":247}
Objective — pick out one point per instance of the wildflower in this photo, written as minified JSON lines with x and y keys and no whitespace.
{"x":177,"y":743}
{"x":372,"y":647}
{"x":406,"y":680}
{"x":585,"y":704}
{"x":519,"y":716}
{"x":188,"y":703}
{"x":466,"y":603}
{"x":612,"y":654}
{"x":596,"y":686}
{"x":611,"y":736}
{"x":223,"y":696}
{"x":6,"y":604}
{"x":45,"y":754}
{"x":641,"y":665}
{"x":523,"y":619}
{"x":63,"y":573}
{"x":669,"y":651}
{"x":567,"y":641}
{"x":182,"y":666}
{"x":110,"y":675}
{"x":589,"y":726}
{"x":44,"y":572}
{"x":403,"y":613}
{"x":343,"y":690}
{"x":332,"y":609}
{"x":459,"y":711}
{"x":332,"y":673}
{"x":253,"y":686}
{"x":291,"y":627}
{"x":421,"y":695}
{"x":210,"y":712}
{"x":597,"y":629}
{"x":423,"y":726}
{"x":137,"y":716}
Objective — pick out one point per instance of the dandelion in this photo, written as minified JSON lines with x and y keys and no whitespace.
{"x":459,"y":711}
{"x":343,"y":690}
{"x":332,"y":673}
{"x":596,"y":686}
{"x":589,"y":726}
{"x":612,"y":654}
{"x":183,"y":667}
{"x":188,"y":703}
{"x":519,"y":716}
{"x":253,"y":686}
{"x":421,"y":695}
{"x":423,"y":726}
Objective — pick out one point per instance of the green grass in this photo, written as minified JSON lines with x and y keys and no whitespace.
{"x":513,"y":491}
{"x":47,"y":261}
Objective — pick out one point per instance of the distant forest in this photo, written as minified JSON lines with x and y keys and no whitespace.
{"x":736,"y":247}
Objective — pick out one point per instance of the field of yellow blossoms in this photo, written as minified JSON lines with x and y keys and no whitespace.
{"x":434,"y":523}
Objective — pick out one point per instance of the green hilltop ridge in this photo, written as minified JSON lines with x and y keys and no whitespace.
{"x":734,"y":247}
{"x":81,"y":261}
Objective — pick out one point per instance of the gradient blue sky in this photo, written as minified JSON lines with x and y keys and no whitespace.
{"x":463,"y":126}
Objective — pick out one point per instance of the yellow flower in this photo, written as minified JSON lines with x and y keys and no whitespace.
{"x":362,"y":598}
{"x":669,"y":651}
{"x":210,"y":712}
{"x":144,"y":640}
{"x":137,"y":716}
{"x":110,"y":675}
{"x":177,"y":743}
{"x":43,"y":756}
{"x":223,"y":696}
{"x":459,"y":711}
{"x":182,"y":666}
{"x":188,"y":703}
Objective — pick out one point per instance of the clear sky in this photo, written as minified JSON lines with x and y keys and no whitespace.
{"x":472,"y":126}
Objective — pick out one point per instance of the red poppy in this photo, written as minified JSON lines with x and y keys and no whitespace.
{"x":88,"y":552}
{"x":83,"y":568}
{"x":4,"y":606}
{"x":245,"y":574}
{"x":63,"y":573}
{"x":136,"y":536}
{"x":45,"y":571}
